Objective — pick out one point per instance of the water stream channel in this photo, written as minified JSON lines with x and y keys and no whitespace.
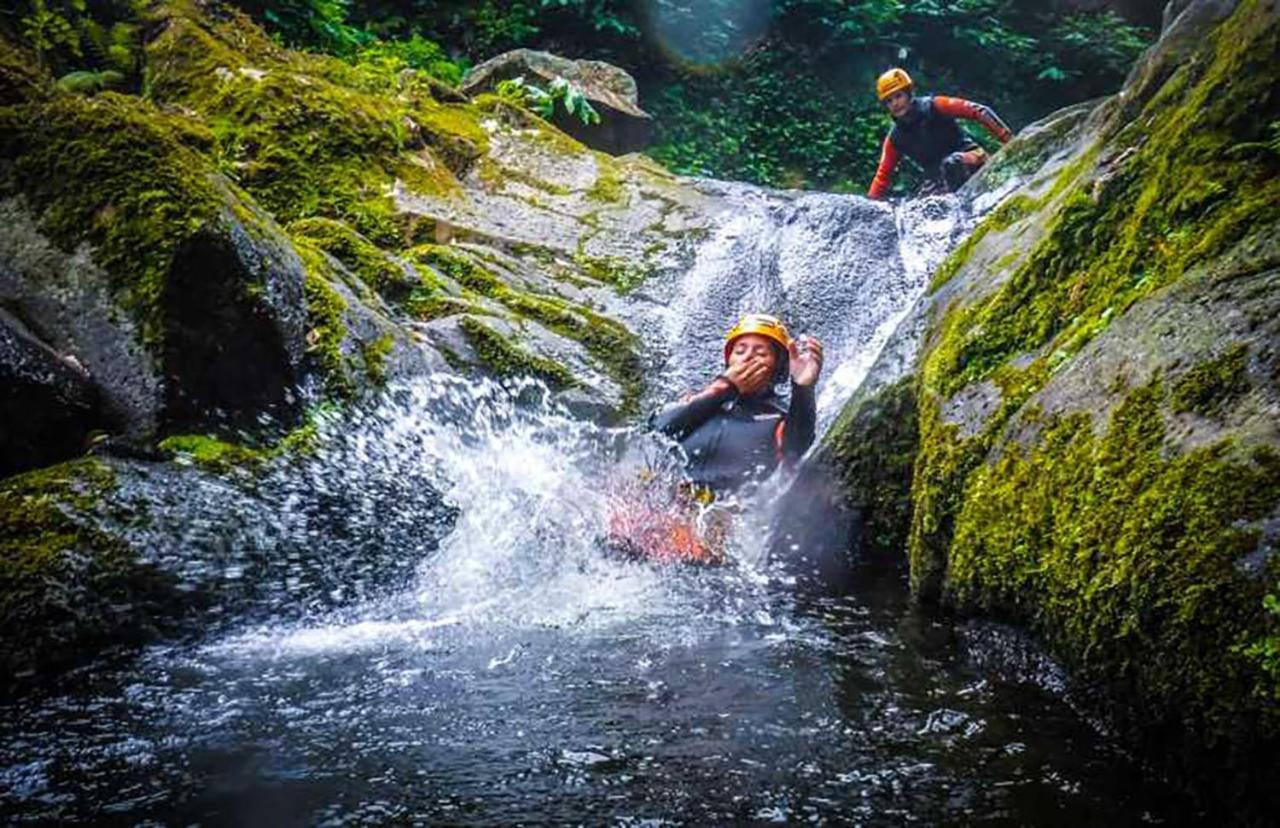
{"x":436,"y":636}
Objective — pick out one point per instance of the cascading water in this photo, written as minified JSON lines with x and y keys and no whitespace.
{"x":513,"y":671}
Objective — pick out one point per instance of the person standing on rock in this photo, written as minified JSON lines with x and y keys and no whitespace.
{"x":925,"y":130}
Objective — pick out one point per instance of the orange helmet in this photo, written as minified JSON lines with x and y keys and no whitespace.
{"x":895,"y":80}
{"x":770,"y":327}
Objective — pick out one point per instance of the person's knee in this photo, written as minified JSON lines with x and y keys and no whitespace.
{"x":958,"y":167}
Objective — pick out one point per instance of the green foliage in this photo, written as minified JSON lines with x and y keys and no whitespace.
{"x":94,"y":46}
{"x":568,"y":95}
{"x":1265,"y":651}
{"x":1206,"y":388}
{"x":48,"y":30}
{"x":417,"y":52}
{"x":86,"y":82}
{"x":320,"y":24}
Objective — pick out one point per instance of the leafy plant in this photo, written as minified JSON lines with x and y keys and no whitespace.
{"x":89,"y":82}
{"x":416,"y":52}
{"x":48,"y":30}
{"x":320,"y":24}
{"x":543,"y":101}
{"x":1265,"y":652}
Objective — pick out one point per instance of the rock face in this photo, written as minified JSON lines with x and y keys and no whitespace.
{"x":266,"y":234}
{"x":47,"y":403}
{"x":624,"y":127}
{"x":1094,"y":390}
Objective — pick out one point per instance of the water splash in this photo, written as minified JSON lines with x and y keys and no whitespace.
{"x":442,"y":635}
{"x":842,"y":268}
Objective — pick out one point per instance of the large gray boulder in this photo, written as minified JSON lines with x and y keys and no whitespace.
{"x":624,"y":126}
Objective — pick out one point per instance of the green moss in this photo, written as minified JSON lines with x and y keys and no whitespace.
{"x":609,"y":342}
{"x":427,"y":305}
{"x":300,"y":143}
{"x":608,"y":184}
{"x":1177,"y":200}
{"x":115,"y":173}
{"x":1208,"y":386}
{"x":496,"y":175}
{"x":623,"y":274}
{"x":63,"y":582}
{"x":326,"y":330}
{"x":361,"y":256}
{"x":214,"y":454}
{"x":458,"y":266}
{"x":1008,"y":213}
{"x":873,"y":448}
{"x":1126,"y":559}
{"x":37,"y":530}
{"x":507,"y":359}
{"x":375,"y":357}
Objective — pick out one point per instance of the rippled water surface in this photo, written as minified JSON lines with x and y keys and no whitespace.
{"x":423,"y":625}
{"x":525,"y":675}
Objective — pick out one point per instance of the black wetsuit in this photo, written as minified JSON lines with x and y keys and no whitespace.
{"x":730,"y":439}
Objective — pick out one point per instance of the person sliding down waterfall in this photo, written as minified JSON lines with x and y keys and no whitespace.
{"x":925,"y":130}
{"x":735,"y":431}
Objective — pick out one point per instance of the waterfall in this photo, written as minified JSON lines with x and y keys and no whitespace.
{"x":842,"y":268}
{"x":434,"y":632}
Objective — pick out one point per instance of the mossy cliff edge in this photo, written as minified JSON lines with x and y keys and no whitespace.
{"x":1097,"y":448}
{"x":259,"y":231}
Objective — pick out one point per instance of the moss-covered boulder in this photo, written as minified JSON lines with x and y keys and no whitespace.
{"x":67,"y":587}
{"x":124,"y":248}
{"x":1096,"y":403}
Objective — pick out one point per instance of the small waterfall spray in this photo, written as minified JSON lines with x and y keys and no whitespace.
{"x":433,"y":628}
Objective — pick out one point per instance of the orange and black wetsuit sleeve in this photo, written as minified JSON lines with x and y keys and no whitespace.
{"x":884,"y":173}
{"x":970,"y":111}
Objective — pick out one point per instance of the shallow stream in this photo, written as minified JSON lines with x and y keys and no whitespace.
{"x":512,"y":671}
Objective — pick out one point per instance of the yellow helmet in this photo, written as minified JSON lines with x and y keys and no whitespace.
{"x":895,"y":80}
{"x":770,"y":327}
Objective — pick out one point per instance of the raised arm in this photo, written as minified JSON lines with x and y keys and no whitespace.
{"x":679,"y":420}
{"x":800,"y":424}
{"x":970,"y":111}
{"x":884,"y":173}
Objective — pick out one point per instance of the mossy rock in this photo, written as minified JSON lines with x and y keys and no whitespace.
{"x":118,"y":174}
{"x":872,"y":448}
{"x":20,"y":81}
{"x":376,"y":269}
{"x":68,"y":588}
{"x":1141,"y":570}
{"x":304,"y":136}
{"x":507,"y":359}
{"x":210,"y":290}
{"x":1124,"y":515}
